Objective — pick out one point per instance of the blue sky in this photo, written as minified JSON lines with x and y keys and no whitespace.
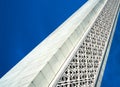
{"x":25,"y":23}
{"x":111,"y":76}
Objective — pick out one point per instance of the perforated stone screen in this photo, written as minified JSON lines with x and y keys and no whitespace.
{"x":84,"y":67}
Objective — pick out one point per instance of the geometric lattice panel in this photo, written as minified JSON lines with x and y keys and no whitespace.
{"x":84,"y":67}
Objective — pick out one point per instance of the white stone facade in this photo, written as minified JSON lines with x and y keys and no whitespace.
{"x":73,"y":55}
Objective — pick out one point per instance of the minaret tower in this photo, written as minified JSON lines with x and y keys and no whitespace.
{"x":74,"y":55}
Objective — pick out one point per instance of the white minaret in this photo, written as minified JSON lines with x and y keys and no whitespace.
{"x":74,"y":55}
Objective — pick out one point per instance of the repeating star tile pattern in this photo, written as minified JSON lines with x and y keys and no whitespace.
{"x":84,"y":67}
